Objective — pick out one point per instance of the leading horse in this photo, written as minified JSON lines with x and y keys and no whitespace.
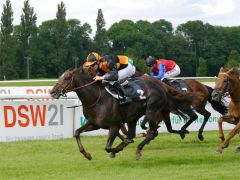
{"x":228,"y":82}
{"x":103,"y":111}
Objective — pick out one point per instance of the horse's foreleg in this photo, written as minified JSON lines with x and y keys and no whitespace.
{"x":230,"y":119}
{"x":220,"y":129}
{"x":231,"y":134}
{"x":84,"y":128}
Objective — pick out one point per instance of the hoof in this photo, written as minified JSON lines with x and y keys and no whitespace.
{"x":227,"y":145}
{"x":88,"y":156}
{"x":139,"y":156}
{"x":200,"y":137}
{"x":237,"y":150}
{"x":112,"y":155}
{"x":182,"y":135}
{"x":218,"y":151}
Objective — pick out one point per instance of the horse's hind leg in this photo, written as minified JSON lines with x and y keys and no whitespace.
{"x":113,"y":132}
{"x":168,"y":124}
{"x":84,"y":128}
{"x":143,"y":124}
{"x":150,"y":136}
{"x":193,"y":117}
{"x":125,"y":142}
{"x":124,"y":130}
{"x":206,"y":115}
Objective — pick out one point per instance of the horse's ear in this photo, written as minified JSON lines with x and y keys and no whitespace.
{"x":223,"y":69}
{"x":234,"y":71}
{"x":81,"y":69}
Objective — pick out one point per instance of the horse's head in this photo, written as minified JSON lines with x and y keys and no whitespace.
{"x":64,"y":84}
{"x":70,"y":80}
{"x":225,"y":83}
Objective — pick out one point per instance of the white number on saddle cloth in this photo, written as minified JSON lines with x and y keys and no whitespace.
{"x":141,"y":92}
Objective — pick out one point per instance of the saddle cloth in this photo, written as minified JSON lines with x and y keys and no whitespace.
{"x":131,"y":87}
{"x":177,"y":84}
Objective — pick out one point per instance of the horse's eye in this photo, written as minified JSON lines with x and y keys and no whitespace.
{"x":67,"y":78}
{"x":225,"y":80}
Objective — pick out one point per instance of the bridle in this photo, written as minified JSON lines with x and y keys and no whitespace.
{"x":221,"y":92}
{"x":66,"y":89}
{"x":229,"y":92}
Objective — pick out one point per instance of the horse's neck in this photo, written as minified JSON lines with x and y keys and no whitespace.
{"x":235,"y":95}
{"x":90,"y":95}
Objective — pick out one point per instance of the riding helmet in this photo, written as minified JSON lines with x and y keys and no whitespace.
{"x":92,"y":58}
{"x":150,"y":61}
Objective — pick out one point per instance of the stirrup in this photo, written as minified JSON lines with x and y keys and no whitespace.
{"x":125,"y":100}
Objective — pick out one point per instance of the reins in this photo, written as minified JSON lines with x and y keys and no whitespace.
{"x":80,"y":87}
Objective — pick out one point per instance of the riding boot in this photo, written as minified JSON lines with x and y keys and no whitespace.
{"x":125,"y":99}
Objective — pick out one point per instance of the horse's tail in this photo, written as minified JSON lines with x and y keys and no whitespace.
{"x":180,"y":104}
{"x":218,"y":106}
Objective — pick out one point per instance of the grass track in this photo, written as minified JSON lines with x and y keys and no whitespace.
{"x":167,"y":157}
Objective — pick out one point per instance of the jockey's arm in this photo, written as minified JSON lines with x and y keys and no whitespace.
{"x":111,"y":75}
{"x":161,"y":72}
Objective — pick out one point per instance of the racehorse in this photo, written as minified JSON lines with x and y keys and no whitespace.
{"x":103,"y":111}
{"x":202,"y":94}
{"x":228,"y":82}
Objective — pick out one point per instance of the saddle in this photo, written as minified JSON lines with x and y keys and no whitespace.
{"x":130,"y":87}
{"x":178,"y":84}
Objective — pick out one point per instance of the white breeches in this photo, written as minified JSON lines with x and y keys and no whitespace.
{"x":173,"y":73}
{"x":126,"y":72}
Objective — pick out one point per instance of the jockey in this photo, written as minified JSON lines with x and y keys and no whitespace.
{"x":114,"y":68}
{"x":92,"y":58}
{"x":162,"y":68}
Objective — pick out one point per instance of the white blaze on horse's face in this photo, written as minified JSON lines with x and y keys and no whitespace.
{"x":61,"y":78}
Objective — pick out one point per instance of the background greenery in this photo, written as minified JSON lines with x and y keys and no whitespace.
{"x":57,"y":44}
{"x":166,"y":157}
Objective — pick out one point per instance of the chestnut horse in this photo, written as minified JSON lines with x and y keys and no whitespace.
{"x":228,"y":82}
{"x":103,"y":111}
{"x":202,"y":94}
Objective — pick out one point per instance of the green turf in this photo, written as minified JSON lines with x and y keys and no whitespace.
{"x":5,"y":84}
{"x":167,"y":157}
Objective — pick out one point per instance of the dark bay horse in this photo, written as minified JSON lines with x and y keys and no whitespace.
{"x":228,"y":82}
{"x":202,"y":94}
{"x":103,"y":111}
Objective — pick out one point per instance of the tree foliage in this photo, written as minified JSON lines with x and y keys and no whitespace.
{"x":202,"y":68}
{"x":57,"y":44}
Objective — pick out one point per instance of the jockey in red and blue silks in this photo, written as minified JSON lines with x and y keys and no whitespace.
{"x":162,"y":68}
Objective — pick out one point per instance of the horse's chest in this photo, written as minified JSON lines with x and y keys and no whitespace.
{"x":234,"y":109}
